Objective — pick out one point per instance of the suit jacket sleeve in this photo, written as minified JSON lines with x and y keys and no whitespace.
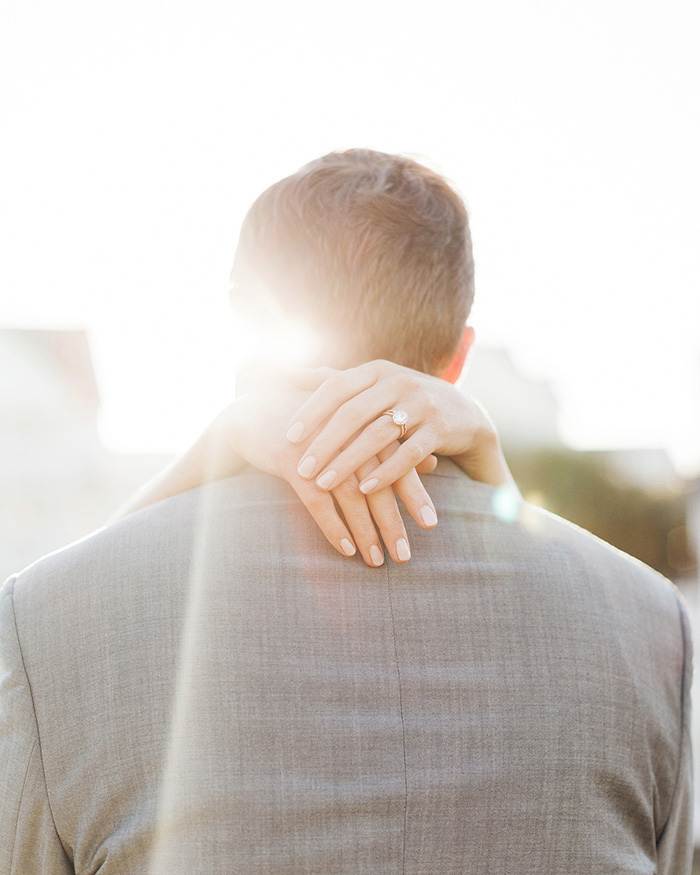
{"x":675,"y":844}
{"x":28,"y":838}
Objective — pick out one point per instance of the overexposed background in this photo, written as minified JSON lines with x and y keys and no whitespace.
{"x":137,"y":134}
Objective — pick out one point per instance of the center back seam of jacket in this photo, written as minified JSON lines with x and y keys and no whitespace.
{"x":403,"y":726}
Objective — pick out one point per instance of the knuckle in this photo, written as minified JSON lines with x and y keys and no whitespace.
{"x":364,"y":533}
{"x":432,"y":414}
{"x":389,"y":523}
{"x":316,"y":501}
{"x":390,"y":449}
{"x":349,"y":489}
{"x":415,"y":452}
{"x":385,"y":427}
{"x":335,"y":383}
{"x":287,"y":459}
{"x":424,"y":398}
{"x":356,"y":407}
{"x":366,"y":468}
{"x":357,"y":375}
{"x":347,"y":414}
{"x":390,"y":435}
{"x":407,"y":382}
{"x":440,"y":426}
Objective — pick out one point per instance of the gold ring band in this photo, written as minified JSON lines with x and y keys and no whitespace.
{"x":399,"y":417}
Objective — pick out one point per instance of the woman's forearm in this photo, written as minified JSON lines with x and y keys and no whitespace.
{"x":213,"y":456}
{"x":486,"y":463}
{"x":251,"y":432}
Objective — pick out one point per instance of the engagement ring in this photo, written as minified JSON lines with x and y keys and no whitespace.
{"x":399,"y":417}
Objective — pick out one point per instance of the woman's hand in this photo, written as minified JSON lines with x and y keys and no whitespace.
{"x":251,"y":430}
{"x":344,"y":416}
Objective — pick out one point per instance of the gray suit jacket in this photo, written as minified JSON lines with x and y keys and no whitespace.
{"x":208,"y":687}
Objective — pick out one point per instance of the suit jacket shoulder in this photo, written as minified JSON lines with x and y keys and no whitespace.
{"x":213,"y":686}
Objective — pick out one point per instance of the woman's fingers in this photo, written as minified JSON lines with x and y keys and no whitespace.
{"x":340,"y":387}
{"x":324,"y":448}
{"x":308,"y":379}
{"x":414,"y":496}
{"x":386,"y":515}
{"x":359,"y":512}
{"x":409,"y":454}
{"x":372,"y":442}
{"x":355,"y":509}
{"x":427,"y":465}
{"x":322,"y":508}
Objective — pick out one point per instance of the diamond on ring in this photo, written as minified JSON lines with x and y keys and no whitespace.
{"x":399,"y":417}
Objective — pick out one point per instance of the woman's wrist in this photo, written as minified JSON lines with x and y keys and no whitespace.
{"x":484,"y":460}
{"x":217,"y":449}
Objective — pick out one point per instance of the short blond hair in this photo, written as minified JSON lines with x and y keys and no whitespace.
{"x":373,"y":250}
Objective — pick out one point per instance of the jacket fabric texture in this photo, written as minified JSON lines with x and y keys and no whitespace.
{"x":208,"y":687}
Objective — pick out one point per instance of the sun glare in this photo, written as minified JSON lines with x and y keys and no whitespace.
{"x":284,"y":343}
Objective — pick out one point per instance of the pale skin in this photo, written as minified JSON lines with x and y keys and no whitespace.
{"x":334,"y":417}
{"x":351,"y":404}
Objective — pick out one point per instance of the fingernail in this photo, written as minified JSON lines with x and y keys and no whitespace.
{"x":306,"y":468}
{"x":427,"y":514}
{"x":402,"y":550}
{"x":295,"y":432}
{"x":325,"y":481}
{"x":368,"y":485}
{"x":347,"y":547}
{"x":376,"y":555}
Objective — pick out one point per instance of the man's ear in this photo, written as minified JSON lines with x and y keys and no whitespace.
{"x":453,"y":371}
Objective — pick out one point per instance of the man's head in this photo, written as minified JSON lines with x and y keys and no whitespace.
{"x":372,"y":251}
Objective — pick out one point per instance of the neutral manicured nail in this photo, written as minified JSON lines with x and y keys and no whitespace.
{"x":306,"y":468}
{"x":427,"y":514}
{"x":402,"y":550}
{"x":376,"y":555}
{"x":325,"y":481}
{"x":368,"y":485}
{"x":295,"y":432}
{"x":347,"y":547}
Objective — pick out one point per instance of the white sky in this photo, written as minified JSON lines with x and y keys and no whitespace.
{"x":135,"y":136}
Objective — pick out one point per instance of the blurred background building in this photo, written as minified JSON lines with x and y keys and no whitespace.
{"x":57,"y":480}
